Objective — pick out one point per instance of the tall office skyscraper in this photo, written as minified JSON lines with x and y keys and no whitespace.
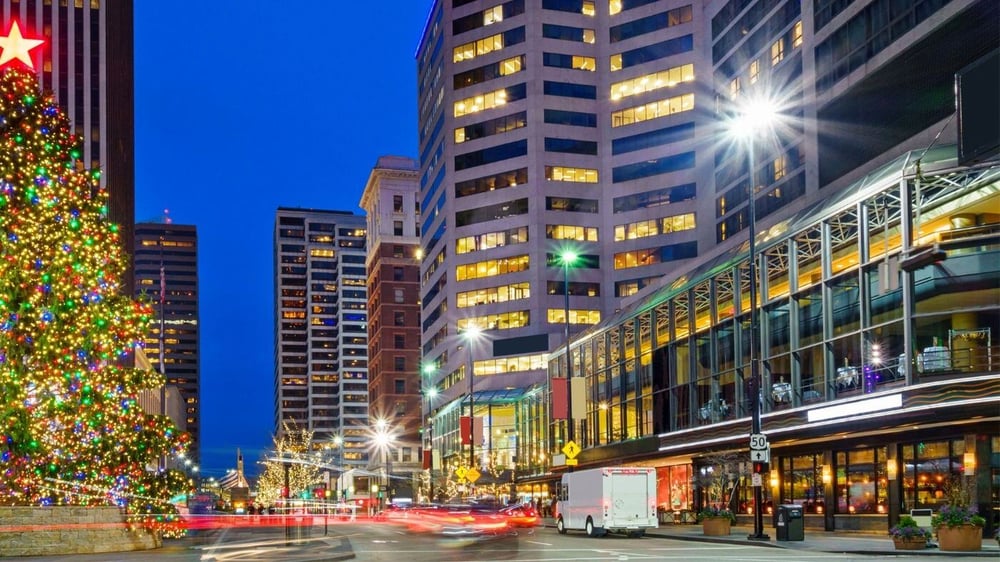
{"x":600,"y":126}
{"x":394,"y":389}
{"x":544,"y":127}
{"x":87,"y":62}
{"x":321,"y":328}
{"x":166,"y":272}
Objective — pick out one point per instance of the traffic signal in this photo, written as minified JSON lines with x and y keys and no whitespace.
{"x":760,"y":468}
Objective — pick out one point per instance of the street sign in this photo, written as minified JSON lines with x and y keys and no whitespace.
{"x":472,"y":475}
{"x":758,"y":442}
{"x":761,"y":456}
{"x":461,"y":472}
{"x":572,"y":462}
{"x":571,"y":449}
{"x":756,"y":480}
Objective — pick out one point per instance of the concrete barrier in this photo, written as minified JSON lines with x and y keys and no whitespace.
{"x":35,"y":531}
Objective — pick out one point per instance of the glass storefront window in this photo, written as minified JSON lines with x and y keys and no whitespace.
{"x":861,"y":485}
{"x":813,"y":374}
{"x":673,"y":488}
{"x":928,"y":468}
{"x":802,"y":483}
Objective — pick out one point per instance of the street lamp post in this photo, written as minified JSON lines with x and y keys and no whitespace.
{"x":471,"y":334}
{"x":338,"y":442}
{"x":753,"y":117}
{"x":383,"y":441}
{"x":430,"y":393}
{"x":568,"y":259}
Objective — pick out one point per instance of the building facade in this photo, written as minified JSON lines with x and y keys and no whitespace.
{"x":877,"y":385}
{"x":614,"y":120}
{"x":394,"y":386}
{"x":321,"y":330}
{"x":166,"y":273}
{"x":530,"y":147}
{"x":87,"y":61}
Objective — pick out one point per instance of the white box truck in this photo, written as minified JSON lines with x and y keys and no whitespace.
{"x":618,"y":499}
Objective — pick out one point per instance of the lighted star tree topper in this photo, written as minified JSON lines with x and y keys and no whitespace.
{"x":71,"y":429}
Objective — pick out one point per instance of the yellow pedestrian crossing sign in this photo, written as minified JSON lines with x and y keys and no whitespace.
{"x":472,"y":475}
{"x":571,"y":449}
{"x":461,"y":472}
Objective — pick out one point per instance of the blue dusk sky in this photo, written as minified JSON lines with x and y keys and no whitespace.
{"x":244,"y":106}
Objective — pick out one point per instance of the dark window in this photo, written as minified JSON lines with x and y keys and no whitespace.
{"x":492,"y":212}
{"x":569,"y":90}
{"x":653,"y":167}
{"x":400,"y":385}
{"x":658,"y":51}
{"x":563,"y":32}
{"x":397,"y":273}
{"x":399,"y":363}
{"x":489,"y":155}
{"x":559,"y":60}
{"x":492,"y":127}
{"x":655,"y":198}
{"x":397,"y":203}
{"x":650,"y":24}
{"x":629,"y":4}
{"x":650,"y":139}
{"x":399,"y":341}
{"x":571,"y":146}
{"x":575,"y":118}
{"x":399,"y":318}
{"x":397,"y":228}
{"x":571,"y":204}
{"x":563,"y":5}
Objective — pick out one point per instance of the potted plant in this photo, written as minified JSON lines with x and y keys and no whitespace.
{"x":958,"y":527}
{"x":957,"y":524}
{"x":907,"y":535}
{"x":716,"y":521}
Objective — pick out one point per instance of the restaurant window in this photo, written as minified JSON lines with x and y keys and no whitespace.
{"x":862,"y":485}
{"x":928,"y":468}
{"x":802,"y":483}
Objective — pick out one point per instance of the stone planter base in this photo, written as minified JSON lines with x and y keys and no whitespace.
{"x":716,"y":526}
{"x":964,"y":538}
{"x":910,"y":544}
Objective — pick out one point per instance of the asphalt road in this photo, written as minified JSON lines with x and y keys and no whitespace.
{"x":374,"y":542}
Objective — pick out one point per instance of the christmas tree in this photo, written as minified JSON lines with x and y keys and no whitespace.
{"x":291,"y":452}
{"x":71,"y":429}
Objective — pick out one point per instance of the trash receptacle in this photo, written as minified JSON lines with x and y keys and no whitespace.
{"x":789,"y":523}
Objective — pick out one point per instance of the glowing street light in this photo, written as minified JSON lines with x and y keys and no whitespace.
{"x":568,"y":259}
{"x":754,"y":116}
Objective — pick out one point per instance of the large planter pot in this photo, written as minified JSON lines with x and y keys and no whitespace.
{"x":960,"y":538}
{"x":911,"y":543}
{"x":716,"y":526}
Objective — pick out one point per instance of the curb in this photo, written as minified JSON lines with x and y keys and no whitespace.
{"x":802,"y":545}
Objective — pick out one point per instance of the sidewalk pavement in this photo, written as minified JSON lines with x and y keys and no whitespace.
{"x":842,"y":542}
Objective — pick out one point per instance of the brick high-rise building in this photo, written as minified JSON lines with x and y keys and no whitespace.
{"x":394,"y":387}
